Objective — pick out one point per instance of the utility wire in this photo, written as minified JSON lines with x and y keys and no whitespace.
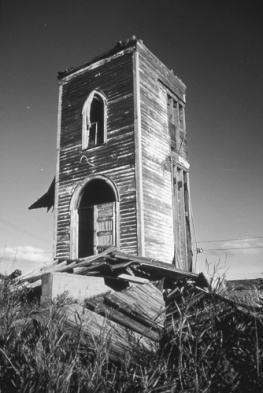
{"x":193,"y":224}
{"x":25,"y":252}
{"x":19,"y":229}
{"x":225,"y":249}
{"x":228,"y":240}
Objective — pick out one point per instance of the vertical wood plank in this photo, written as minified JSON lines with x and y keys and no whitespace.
{"x":55,"y":224}
{"x":138,"y":155}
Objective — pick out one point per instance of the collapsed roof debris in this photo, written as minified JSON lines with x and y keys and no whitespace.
{"x":130,"y":313}
{"x":115,"y":264}
{"x":146,"y":300}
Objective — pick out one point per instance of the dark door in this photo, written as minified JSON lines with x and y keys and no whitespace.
{"x":96,"y":216}
{"x":86,"y":218}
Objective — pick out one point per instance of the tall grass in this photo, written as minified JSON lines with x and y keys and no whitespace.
{"x":208,"y":345}
{"x":213,"y":345}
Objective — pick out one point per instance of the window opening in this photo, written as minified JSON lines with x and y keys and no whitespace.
{"x":181,"y":117}
{"x":94,"y":121}
{"x":176,"y":122}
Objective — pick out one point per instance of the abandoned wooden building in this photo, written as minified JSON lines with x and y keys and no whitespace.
{"x":122,"y":233}
{"x":122,"y":176}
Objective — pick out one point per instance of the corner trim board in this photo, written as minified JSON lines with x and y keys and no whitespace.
{"x":57,"y":171}
{"x":138,"y":155}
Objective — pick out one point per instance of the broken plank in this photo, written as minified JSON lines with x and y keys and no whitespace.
{"x":156,"y":266}
{"x":44,"y":269}
{"x":126,"y":320}
{"x":121,"y":342}
{"x":134,"y":279}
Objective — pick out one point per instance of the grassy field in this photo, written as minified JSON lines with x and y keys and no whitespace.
{"x":208,"y":345}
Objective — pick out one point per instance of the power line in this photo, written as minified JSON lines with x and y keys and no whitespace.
{"x":25,"y":252}
{"x":193,"y":225}
{"x":228,"y":240}
{"x":19,"y":229}
{"x":200,"y":250}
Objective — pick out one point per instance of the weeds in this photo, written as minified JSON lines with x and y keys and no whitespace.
{"x":209,"y":345}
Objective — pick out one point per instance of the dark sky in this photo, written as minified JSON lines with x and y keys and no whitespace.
{"x":215,"y":47}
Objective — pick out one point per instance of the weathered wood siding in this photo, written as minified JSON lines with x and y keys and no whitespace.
{"x":156,"y":81}
{"x":114,"y":159}
{"x":139,"y":156}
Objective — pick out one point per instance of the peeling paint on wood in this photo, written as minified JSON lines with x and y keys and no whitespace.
{"x":138,"y":155}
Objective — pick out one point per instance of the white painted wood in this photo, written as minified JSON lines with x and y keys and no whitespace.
{"x":138,"y":155}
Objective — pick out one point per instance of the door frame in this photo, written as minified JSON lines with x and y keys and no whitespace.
{"x":74,"y":217}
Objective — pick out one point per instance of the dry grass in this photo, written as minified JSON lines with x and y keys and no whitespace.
{"x":208,"y":346}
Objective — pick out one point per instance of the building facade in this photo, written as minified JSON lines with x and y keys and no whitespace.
{"x":122,"y":163}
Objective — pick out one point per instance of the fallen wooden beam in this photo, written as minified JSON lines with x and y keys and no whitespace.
{"x":97,"y":333}
{"x":155,"y":265}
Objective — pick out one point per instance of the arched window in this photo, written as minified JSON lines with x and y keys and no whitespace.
{"x":94,"y":120}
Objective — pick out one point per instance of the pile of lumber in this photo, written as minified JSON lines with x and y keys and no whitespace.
{"x":111,"y":263}
{"x":124,"y":324}
{"x":132,"y":314}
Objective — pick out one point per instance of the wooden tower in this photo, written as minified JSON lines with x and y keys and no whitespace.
{"x":122,"y":169}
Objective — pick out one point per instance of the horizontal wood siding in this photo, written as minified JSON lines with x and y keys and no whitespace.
{"x":156,"y":162}
{"x":114,"y":159}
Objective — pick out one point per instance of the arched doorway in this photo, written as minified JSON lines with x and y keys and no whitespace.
{"x":96,"y":217}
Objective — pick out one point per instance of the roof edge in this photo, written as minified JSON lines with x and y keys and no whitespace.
{"x":120,"y":46}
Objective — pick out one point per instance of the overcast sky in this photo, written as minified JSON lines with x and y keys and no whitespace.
{"x":215,"y":47}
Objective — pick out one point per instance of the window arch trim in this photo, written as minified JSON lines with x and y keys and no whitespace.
{"x":86,"y":119}
{"x":78,"y":192}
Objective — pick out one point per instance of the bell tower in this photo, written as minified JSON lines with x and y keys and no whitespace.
{"x":122,"y":163}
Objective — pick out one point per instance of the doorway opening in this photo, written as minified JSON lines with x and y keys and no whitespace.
{"x":96,"y":218}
